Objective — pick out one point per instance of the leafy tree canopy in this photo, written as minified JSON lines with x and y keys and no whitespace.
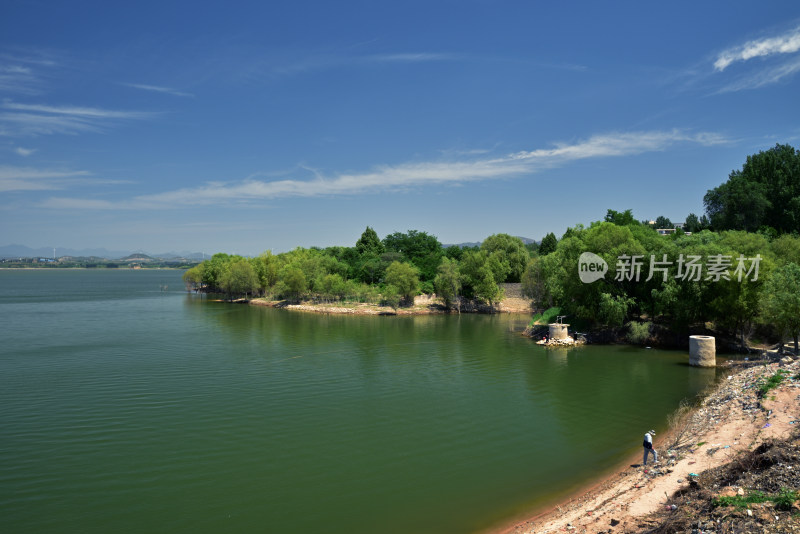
{"x":419,"y":248}
{"x":764,"y":193}
{"x":780,"y":300}
{"x":663,"y":222}
{"x":510,"y":250}
{"x":624,"y":218}
{"x":369,"y":243}
{"x":548,"y":244}
{"x":404,"y":277}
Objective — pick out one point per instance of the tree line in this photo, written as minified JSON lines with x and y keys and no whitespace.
{"x":390,"y":271}
{"x":752,"y":218}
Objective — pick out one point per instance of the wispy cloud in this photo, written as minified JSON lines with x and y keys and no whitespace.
{"x":158,"y":89}
{"x":30,"y":179}
{"x":409,"y":58}
{"x":392,"y":177}
{"x":764,"y":77}
{"x":42,"y":119}
{"x":25,"y":152}
{"x":88,"y":113}
{"x":24,"y":72}
{"x":15,"y":78}
{"x":787,"y":43}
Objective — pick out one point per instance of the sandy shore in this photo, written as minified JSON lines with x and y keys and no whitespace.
{"x":730,"y":420}
{"x":423,"y":305}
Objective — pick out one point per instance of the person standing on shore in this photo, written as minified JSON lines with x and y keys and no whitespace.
{"x":648,"y":447}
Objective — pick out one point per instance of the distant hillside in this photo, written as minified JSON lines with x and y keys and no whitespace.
{"x":525,"y":240}
{"x":22,"y":251}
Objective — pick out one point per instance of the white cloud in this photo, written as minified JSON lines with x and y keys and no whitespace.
{"x":158,"y":89}
{"x":390,"y":177}
{"x":73,"y":111}
{"x":764,"y":77}
{"x":31,"y":124}
{"x":25,"y":152}
{"x":22,"y":74}
{"x":30,"y":179}
{"x":41,"y":119}
{"x":787,"y":43}
{"x":410,"y":58}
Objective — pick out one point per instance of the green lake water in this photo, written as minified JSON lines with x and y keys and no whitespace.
{"x":125,"y":407}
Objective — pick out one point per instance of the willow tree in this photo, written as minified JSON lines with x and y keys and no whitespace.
{"x":448,"y":283}
{"x":780,"y":301}
{"x":404,"y":277}
{"x":239,"y":279}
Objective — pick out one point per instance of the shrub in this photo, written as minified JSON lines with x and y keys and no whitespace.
{"x":638,"y":333}
{"x":546,"y":317}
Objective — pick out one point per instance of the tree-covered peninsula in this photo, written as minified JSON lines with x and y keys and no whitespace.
{"x":736,"y":267}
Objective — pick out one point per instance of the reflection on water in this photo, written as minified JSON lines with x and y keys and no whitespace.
{"x":175,"y":412}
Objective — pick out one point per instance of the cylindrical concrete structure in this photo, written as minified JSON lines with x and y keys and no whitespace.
{"x":702,"y":351}
{"x":558,"y":331}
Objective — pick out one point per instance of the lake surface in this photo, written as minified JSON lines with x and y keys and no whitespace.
{"x":125,"y":407}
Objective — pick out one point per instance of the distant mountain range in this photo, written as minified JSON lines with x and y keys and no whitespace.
{"x":525,"y":240}
{"x":21,"y":251}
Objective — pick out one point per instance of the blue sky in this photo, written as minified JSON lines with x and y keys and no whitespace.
{"x":242,"y":127}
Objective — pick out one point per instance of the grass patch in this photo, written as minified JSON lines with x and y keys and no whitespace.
{"x":546,"y":317}
{"x":783,"y":500}
{"x":771,"y":383}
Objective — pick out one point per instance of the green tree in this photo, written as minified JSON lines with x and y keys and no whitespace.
{"x":454,"y":252}
{"x":214,"y":269}
{"x":510,"y":250}
{"x":421,"y":249}
{"x":193,"y":278}
{"x":391,"y":296}
{"x":533,"y":282}
{"x":780,"y":301}
{"x":786,"y":248}
{"x":333,"y":286}
{"x":448,"y":283}
{"x":404,"y":277}
{"x":371,"y":269}
{"x":663,"y":222}
{"x":624,"y":218}
{"x":548,"y":244}
{"x":692,"y":223}
{"x":239,"y":279}
{"x":477,"y":270}
{"x":613,"y":309}
{"x":293,"y":281}
{"x":369,"y":243}
{"x":764,"y":193}
{"x":266,"y":267}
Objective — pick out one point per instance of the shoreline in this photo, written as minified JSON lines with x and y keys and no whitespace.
{"x":423,"y":305}
{"x":729,"y":420}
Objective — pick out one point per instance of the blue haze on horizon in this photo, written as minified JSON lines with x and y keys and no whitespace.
{"x":242,"y":127}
